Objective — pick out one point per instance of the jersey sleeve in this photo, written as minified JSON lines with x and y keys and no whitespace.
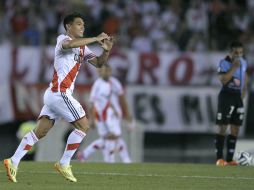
{"x":60,"y":40}
{"x":89,"y":54}
{"x":222,"y":67}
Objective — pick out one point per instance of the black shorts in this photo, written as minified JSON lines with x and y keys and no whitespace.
{"x":230,"y":109}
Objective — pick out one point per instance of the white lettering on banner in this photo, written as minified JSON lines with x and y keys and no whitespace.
{"x":174,"y":109}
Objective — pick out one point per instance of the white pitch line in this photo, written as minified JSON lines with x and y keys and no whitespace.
{"x":141,"y":175}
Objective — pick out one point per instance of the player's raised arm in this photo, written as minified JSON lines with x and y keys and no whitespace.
{"x":226,"y":77}
{"x":75,"y":43}
{"x":234,"y":57}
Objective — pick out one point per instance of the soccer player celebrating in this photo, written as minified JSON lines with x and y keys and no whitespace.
{"x":233,"y":76}
{"x":109,"y":104}
{"x":70,"y":52}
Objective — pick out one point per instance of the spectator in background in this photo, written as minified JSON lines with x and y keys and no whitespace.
{"x":166,"y":44}
{"x":218,"y":20}
{"x":170,"y":18}
{"x":197,"y":43}
{"x":111,"y":25}
{"x":51,"y":22}
{"x":142,"y":43}
{"x":196,"y":16}
{"x":19,"y":24}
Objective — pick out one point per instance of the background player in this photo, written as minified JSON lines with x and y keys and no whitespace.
{"x":233,"y":76}
{"x":107,"y":106}
{"x":70,"y":52}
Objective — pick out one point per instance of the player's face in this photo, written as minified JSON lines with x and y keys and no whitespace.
{"x":105,"y":72}
{"x":237,"y":52}
{"x":77,"y":28}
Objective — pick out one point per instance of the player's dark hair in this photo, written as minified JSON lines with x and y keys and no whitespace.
{"x":68,"y":19}
{"x":235,"y":44}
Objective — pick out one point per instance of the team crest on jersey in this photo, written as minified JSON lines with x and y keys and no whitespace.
{"x":80,"y":56}
{"x":237,"y":82}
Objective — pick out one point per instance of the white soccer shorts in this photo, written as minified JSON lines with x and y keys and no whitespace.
{"x":61,"y":105}
{"x":112,"y":125}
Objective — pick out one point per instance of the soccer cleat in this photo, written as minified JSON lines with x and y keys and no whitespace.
{"x":11,"y":170}
{"x":232,"y":163}
{"x":66,"y":172}
{"x":221,"y":162}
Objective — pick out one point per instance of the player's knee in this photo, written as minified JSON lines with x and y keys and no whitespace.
{"x":234,"y":130}
{"x":222,"y":132}
{"x":222,"y":129}
{"x":84,"y":128}
{"x":82,"y":124}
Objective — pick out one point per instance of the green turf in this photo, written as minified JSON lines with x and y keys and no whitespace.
{"x":100,"y":176}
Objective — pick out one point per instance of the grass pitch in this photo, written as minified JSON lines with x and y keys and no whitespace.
{"x":146,"y":176}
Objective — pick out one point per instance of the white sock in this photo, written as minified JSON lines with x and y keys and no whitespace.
{"x":109,"y":152}
{"x":91,"y":148}
{"x":25,"y":145}
{"x":123,"y":152}
{"x":73,"y":142}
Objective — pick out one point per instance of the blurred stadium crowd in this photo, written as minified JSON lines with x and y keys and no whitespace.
{"x":145,"y":25}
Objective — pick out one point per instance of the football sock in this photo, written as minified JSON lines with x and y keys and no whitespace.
{"x":94,"y":146}
{"x":25,"y":145}
{"x":73,"y":142}
{"x":109,"y":152}
{"x":123,"y":152}
{"x":219,"y":145}
{"x":231,"y":142}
